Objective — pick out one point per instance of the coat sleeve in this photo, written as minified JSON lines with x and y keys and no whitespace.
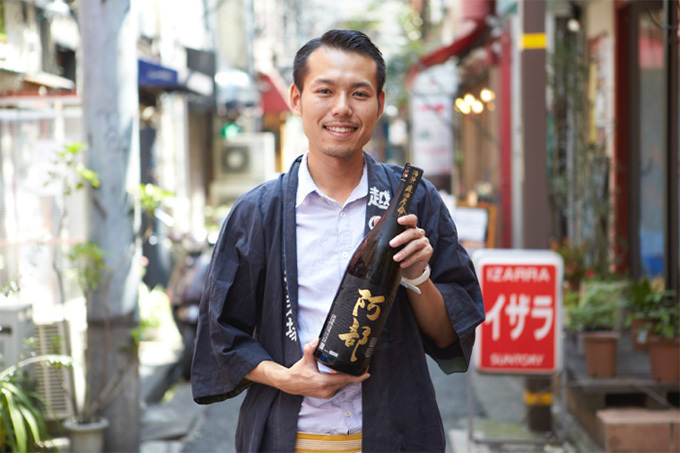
{"x":225,"y":348}
{"x":454,"y":275}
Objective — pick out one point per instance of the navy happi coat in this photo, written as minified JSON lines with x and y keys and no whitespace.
{"x":248,"y":314}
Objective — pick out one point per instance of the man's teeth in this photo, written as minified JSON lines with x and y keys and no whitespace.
{"x":340,"y":129}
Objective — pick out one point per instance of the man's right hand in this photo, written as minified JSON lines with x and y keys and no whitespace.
{"x":303,"y":377}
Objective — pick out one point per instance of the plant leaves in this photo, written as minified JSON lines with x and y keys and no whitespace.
{"x":19,"y":440}
{"x":33,"y":424}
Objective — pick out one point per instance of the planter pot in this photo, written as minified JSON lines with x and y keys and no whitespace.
{"x":664,"y":358}
{"x":600,"y":350}
{"x":639,"y":334}
{"x":86,"y":437}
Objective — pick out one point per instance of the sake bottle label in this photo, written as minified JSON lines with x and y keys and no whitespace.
{"x":356,"y":321}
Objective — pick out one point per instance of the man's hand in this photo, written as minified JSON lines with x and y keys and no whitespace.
{"x":417,"y":251}
{"x":303,"y":377}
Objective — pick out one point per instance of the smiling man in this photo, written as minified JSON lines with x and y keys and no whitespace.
{"x":280,"y":258}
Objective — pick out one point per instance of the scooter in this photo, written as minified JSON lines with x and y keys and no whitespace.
{"x":184,"y":292}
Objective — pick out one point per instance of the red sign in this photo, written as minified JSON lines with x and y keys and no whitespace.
{"x":522,"y":300}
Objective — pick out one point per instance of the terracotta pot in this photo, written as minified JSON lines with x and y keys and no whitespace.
{"x":664,"y":358}
{"x":600,"y":350}
{"x":638,"y":334}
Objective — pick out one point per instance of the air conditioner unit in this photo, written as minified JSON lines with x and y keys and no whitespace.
{"x":241,"y":163}
{"x":16,"y":326}
{"x":54,"y":384}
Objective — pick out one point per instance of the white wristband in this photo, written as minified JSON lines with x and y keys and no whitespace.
{"x":412,"y":283}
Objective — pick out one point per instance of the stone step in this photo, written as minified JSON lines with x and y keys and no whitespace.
{"x":639,"y":430}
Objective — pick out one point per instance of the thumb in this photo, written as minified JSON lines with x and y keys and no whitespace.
{"x":308,"y":350}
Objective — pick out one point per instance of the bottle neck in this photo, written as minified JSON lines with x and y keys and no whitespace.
{"x":401,"y":204}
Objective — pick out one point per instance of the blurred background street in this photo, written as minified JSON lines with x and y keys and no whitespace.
{"x":551,"y":128}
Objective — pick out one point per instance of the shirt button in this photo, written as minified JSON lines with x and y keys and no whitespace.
{"x":342,"y":213}
{"x":348,"y":414}
{"x":345,"y":254}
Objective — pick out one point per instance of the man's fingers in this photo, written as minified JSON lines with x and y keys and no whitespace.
{"x":336,"y":381}
{"x":308,"y":359}
{"x":409,"y":220}
{"x":311,"y":346}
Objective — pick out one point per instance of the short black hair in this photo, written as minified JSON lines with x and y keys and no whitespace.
{"x":345,"y":40}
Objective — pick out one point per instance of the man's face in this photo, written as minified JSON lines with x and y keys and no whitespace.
{"x":339,"y":104}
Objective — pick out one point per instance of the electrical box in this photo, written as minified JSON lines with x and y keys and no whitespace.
{"x":16,"y":326}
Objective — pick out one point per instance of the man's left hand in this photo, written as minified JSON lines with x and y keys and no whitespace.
{"x":417,"y":251}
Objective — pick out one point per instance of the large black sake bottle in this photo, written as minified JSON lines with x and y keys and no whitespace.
{"x":367,"y":290}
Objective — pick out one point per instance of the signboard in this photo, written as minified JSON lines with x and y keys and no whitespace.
{"x":432,"y":132}
{"x":475,"y":225}
{"x":522,"y":292}
{"x":152,"y":74}
{"x":431,"y":102}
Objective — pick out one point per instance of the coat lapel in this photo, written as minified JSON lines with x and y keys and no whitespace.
{"x":292,"y":348}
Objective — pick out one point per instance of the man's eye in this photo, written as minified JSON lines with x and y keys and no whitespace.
{"x":323,"y":91}
{"x":361,"y":94}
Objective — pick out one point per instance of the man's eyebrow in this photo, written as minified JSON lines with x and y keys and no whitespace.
{"x":362,"y":85}
{"x":324,"y":81}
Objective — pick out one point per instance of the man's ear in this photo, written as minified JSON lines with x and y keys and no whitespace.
{"x":294,"y":97}
{"x":381,"y":103}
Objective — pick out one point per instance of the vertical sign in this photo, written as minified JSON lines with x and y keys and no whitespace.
{"x":432,"y":132}
{"x":522,"y":292}
{"x":431,"y":102}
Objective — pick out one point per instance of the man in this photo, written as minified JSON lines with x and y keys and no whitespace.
{"x":281,"y":256}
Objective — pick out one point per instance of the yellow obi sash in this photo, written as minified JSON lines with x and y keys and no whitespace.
{"x":313,"y":443}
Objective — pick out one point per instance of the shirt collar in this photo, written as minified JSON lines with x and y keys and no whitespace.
{"x":306,"y":185}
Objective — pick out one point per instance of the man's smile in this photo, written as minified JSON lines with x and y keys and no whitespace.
{"x":340,"y":129}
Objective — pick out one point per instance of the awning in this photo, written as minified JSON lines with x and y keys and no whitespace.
{"x":272,"y":94}
{"x":461,"y":44}
{"x":154,"y":75}
{"x":49,"y":80}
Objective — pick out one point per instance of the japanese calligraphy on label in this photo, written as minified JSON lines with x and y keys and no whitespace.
{"x":353,"y":332}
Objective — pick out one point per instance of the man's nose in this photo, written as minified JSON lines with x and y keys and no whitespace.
{"x":342,"y":106}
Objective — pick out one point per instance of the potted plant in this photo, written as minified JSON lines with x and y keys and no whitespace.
{"x":595,"y":317}
{"x":664,"y":339}
{"x":22,"y":409}
{"x":23,"y":424}
{"x":644,"y":296}
{"x":86,"y":263}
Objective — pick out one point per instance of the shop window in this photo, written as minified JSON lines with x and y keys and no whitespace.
{"x":66,"y":60}
{"x":651,"y":152}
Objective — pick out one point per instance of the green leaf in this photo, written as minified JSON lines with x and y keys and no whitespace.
{"x":89,"y":176}
{"x":37,"y":434}
{"x":150,"y":196}
{"x":19,"y":440}
{"x":88,"y":260}
{"x":75,"y":147}
{"x":6,"y":424}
